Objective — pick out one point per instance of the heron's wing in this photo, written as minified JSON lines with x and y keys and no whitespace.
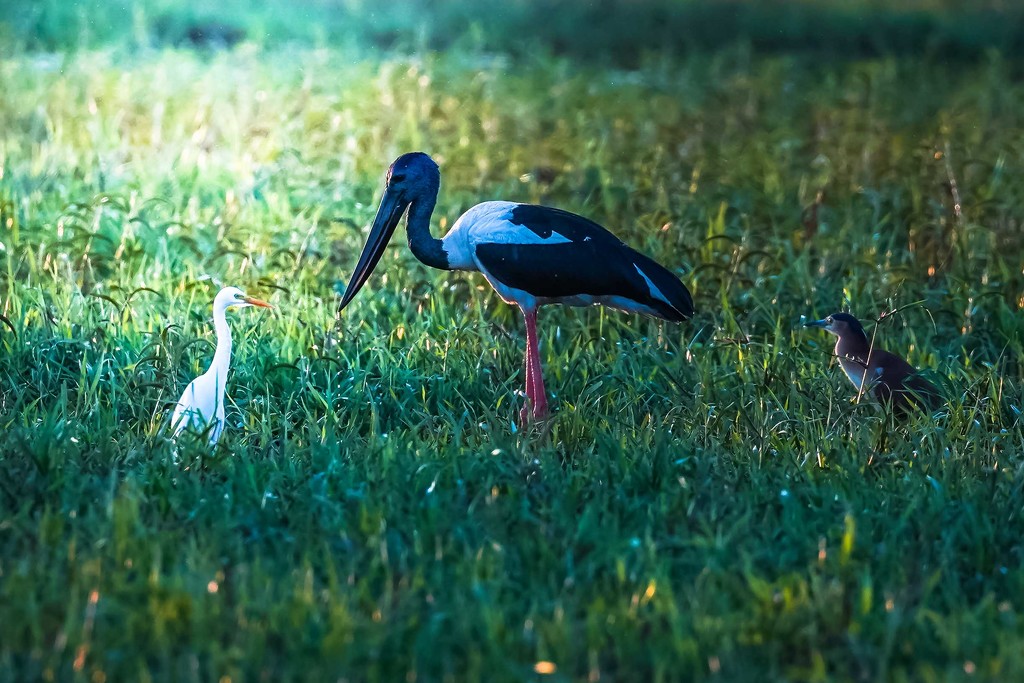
{"x":899,"y":383}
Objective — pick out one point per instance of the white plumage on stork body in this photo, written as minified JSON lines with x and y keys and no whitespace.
{"x":531,"y":255}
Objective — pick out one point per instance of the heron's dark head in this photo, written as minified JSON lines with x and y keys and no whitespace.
{"x":839,"y":324}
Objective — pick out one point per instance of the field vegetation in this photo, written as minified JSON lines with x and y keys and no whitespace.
{"x":708,"y":501}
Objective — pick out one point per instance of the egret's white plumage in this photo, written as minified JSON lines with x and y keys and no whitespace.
{"x":201,"y":407}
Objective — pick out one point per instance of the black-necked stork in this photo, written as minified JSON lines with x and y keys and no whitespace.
{"x":531,"y":255}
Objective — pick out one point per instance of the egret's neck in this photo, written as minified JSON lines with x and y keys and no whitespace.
{"x":425,"y":246}
{"x":222,"y":358}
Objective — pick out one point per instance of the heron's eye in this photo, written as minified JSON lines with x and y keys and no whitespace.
{"x":830,"y":320}
{"x":398,"y":177}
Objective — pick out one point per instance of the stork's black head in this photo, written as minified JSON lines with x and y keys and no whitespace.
{"x":411,"y":174}
{"x":839,"y":324}
{"x":410,"y":177}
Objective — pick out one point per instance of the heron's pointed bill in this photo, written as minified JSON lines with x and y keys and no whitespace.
{"x":816,"y":323}
{"x":253,"y":301}
{"x":392,"y":206}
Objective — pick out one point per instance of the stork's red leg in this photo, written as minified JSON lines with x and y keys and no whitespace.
{"x":536,"y":397}
{"x":524,"y":414}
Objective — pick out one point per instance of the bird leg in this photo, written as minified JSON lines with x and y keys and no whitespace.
{"x":524,"y":414}
{"x":536,"y":397}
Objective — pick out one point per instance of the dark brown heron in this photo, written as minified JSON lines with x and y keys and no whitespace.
{"x":895,"y":383}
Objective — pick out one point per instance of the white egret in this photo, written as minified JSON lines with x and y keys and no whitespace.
{"x":201,"y":407}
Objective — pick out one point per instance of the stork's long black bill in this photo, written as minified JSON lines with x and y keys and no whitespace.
{"x":816,"y":323}
{"x":389,"y":213}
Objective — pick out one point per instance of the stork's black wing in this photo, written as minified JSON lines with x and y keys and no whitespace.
{"x":593,"y":263}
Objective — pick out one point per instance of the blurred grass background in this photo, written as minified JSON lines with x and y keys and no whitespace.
{"x":707,"y":503}
{"x":600,"y":29}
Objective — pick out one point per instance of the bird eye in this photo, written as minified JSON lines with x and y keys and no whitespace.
{"x":398,"y":177}
{"x":830,"y":320}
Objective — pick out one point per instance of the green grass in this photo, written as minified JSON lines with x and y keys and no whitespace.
{"x":707,"y":502}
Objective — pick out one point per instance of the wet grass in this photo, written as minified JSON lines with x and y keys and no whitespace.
{"x":706,"y":503}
